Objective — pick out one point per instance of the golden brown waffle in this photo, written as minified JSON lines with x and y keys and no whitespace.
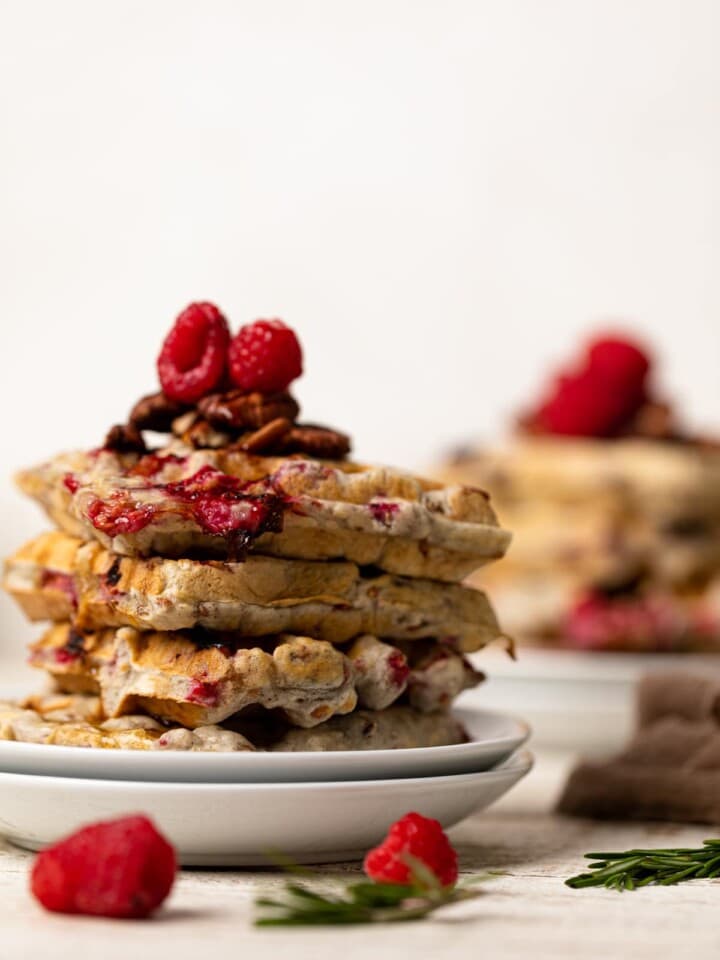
{"x":77,"y":720}
{"x":183,"y":678}
{"x":288,"y":507}
{"x":58,"y":577}
{"x":632,"y":518}
{"x":169,"y":676}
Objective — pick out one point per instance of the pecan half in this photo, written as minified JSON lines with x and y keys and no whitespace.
{"x":155,"y":412}
{"x":316,"y":441}
{"x":653,"y":421}
{"x":202,"y":436}
{"x":125,"y":438}
{"x":247,"y":410}
{"x":265,"y":440}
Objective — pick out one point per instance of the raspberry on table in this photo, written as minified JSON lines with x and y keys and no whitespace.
{"x":115,"y":868}
{"x":193,"y":358}
{"x":265,"y":356}
{"x":419,"y":837}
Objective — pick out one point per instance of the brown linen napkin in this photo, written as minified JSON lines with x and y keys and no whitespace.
{"x":689,"y":695}
{"x":671,"y":768}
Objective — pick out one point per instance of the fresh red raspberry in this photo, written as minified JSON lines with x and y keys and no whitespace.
{"x":584,"y":406}
{"x":620,"y":361}
{"x":419,"y":837}
{"x":194,"y":355}
{"x":117,"y":868}
{"x":598,"y":397}
{"x":265,"y":356}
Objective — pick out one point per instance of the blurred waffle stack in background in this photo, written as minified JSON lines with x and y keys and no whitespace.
{"x":616,"y":512}
{"x":615,"y":508}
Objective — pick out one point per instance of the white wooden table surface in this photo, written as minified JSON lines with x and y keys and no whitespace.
{"x":527,"y":912}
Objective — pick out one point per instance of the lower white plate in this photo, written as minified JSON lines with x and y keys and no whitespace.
{"x":575,"y":700}
{"x":234,"y":824}
{"x":494,"y":736}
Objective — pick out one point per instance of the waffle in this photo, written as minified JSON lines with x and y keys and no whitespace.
{"x":628,"y":520}
{"x":171,"y":677}
{"x":659,"y":478}
{"x":58,"y":577}
{"x":198,"y":680}
{"x":602,"y":510}
{"x":397,"y":728}
{"x":77,"y":720}
{"x":180,"y":503}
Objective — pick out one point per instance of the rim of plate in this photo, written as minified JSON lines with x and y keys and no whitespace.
{"x":592,"y":666}
{"x":466,"y":714}
{"x":519,"y":762}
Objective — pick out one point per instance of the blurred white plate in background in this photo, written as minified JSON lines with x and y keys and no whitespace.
{"x":583,"y":702}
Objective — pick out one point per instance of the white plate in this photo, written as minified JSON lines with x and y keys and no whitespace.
{"x":576,"y":700}
{"x":494,"y":737}
{"x":233,"y":824}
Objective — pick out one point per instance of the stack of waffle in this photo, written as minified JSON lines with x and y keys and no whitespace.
{"x":244,"y":586}
{"x":616,"y":512}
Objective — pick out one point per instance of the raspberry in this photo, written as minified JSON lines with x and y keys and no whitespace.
{"x":600,"y":397}
{"x":221,"y":505}
{"x":117,"y":868}
{"x":119,"y":514}
{"x":265,"y":356}
{"x":70,"y":482}
{"x":399,"y":668}
{"x":597,"y":622}
{"x":620,"y":361}
{"x":205,"y":692}
{"x":383,"y":511}
{"x":419,"y":837}
{"x":584,"y":406}
{"x":194,"y":355}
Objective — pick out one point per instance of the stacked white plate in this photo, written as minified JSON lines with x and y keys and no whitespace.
{"x":232,"y":809}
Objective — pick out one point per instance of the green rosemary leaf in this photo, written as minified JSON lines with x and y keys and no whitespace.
{"x":304,"y":893}
{"x":631,"y":869}
{"x":380,"y":894}
{"x":362,"y":902}
{"x":710,"y":867}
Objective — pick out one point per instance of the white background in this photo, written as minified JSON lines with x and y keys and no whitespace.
{"x":440,"y":196}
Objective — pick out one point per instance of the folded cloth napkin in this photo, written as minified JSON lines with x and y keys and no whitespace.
{"x":671,"y":768}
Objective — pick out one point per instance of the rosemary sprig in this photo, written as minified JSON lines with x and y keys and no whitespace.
{"x":631,"y":869}
{"x":362,"y":902}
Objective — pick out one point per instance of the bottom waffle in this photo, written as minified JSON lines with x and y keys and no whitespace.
{"x":78,"y":720}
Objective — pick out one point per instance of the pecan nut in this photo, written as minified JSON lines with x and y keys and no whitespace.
{"x":653,"y":421}
{"x":125,"y":438}
{"x":265,"y":440}
{"x":202,"y":436}
{"x":155,"y":412}
{"x":247,"y":410}
{"x":321,"y":442}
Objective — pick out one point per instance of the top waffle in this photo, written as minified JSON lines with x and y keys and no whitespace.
{"x":181,"y":502}
{"x":611,"y":507}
